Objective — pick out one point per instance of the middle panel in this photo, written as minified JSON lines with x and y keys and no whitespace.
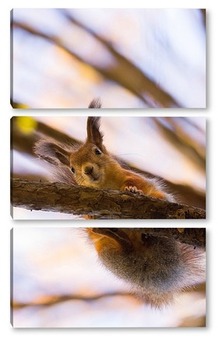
{"x":126,"y":167}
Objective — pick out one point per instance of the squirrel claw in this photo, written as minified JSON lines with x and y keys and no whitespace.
{"x":133,"y":189}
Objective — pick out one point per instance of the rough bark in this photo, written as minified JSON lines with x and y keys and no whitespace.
{"x":104,"y":204}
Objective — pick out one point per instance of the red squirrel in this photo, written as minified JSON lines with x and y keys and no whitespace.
{"x":157,"y":268}
{"x":93,"y":166}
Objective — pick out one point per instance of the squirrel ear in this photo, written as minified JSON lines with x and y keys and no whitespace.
{"x":52,"y":153}
{"x":93,"y":133}
{"x":93,"y":125}
{"x":96,"y":103}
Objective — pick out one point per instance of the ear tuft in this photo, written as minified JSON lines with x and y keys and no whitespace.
{"x":95,"y":103}
{"x":93,"y":131}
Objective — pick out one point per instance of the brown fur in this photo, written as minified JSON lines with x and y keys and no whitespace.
{"x":156,"y":268}
{"x":93,"y":166}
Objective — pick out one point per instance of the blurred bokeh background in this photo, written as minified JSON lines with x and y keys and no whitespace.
{"x":57,"y":281}
{"x":131,"y":58}
{"x":173,"y":149}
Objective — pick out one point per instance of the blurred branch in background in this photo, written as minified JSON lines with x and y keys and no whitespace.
{"x":25,"y":131}
{"x":50,"y":300}
{"x":123,"y":72}
{"x":177,"y":132}
{"x":138,"y":58}
{"x":129,"y":75}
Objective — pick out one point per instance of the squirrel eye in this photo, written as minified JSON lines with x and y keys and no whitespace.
{"x":97,"y":151}
{"x":73,"y":170}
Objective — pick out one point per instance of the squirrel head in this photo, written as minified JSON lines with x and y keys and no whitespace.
{"x":89,"y":164}
{"x":156,"y":267}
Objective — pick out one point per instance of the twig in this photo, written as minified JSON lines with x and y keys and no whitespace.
{"x":51,"y":300}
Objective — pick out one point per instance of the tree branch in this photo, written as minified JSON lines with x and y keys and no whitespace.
{"x":107,"y":204}
{"x":136,"y":81}
{"x":193,"y":236}
{"x":51,"y":300}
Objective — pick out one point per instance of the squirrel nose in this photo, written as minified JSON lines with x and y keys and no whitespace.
{"x":88,"y":169}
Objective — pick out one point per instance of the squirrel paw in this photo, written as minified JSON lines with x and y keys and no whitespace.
{"x":133,"y":189}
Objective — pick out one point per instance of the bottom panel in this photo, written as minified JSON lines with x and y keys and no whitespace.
{"x":108,"y":277}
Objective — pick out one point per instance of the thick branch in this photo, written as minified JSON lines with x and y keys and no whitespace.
{"x":58,"y":197}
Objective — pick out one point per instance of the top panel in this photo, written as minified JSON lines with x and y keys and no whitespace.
{"x":130,"y":58}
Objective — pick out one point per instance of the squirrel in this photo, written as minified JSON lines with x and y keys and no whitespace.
{"x":156,"y":267}
{"x":92,"y":165}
